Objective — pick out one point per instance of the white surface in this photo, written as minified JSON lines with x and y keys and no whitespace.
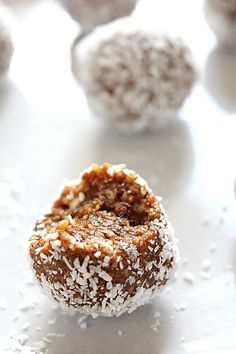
{"x":47,"y":134}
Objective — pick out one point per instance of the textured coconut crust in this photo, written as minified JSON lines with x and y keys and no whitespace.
{"x":6,"y":45}
{"x":133,"y":78}
{"x":106,"y":246}
{"x":221,"y":16}
{"x":91,"y":13}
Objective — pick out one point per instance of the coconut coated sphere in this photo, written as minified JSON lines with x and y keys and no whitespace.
{"x":133,"y":78}
{"x":91,"y":13}
{"x":105,"y":246}
{"x":6,"y":46}
{"x":221,"y":17}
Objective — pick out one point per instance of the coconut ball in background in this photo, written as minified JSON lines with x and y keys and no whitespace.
{"x":6,"y":45}
{"x":221,"y":16}
{"x":91,"y":13}
{"x":133,"y":78}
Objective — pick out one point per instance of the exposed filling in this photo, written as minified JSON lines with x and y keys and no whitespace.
{"x":104,"y":205}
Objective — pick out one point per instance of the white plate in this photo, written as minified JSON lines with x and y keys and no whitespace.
{"x":48,"y":134}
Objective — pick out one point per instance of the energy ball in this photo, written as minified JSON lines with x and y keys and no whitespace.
{"x":105,"y":246}
{"x":91,"y":13}
{"x":6,"y":45}
{"x":133,"y":78}
{"x":221,"y":16}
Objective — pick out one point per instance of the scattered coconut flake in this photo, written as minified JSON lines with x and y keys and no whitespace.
{"x":3,"y":305}
{"x":22,"y":338}
{"x":16,"y":316}
{"x":83,"y":325}
{"x":11,"y":208}
{"x":29,"y":280}
{"x":205,"y":275}
{"x":213,"y":247}
{"x":180,"y":307}
{"x":21,"y":290}
{"x":188,"y":278}
{"x":25,"y":326}
{"x":168,"y":289}
{"x":28,"y":305}
{"x":12,"y":346}
{"x":206,"y":265}
{"x":82,"y":322}
{"x":157,"y":317}
{"x":52,"y":321}
{"x":55,"y":335}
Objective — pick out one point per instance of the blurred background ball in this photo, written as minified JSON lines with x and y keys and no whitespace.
{"x":6,"y":45}
{"x":221,"y":17}
{"x":133,"y":78}
{"x":91,"y":13}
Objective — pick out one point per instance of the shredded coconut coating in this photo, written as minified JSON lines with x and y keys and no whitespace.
{"x":221,"y":17}
{"x":91,"y":13}
{"x":6,"y":45}
{"x":14,"y":346}
{"x":105,"y":247}
{"x":133,"y":78}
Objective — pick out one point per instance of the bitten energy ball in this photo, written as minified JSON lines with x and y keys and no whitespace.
{"x":91,"y":13}
{"x":6,"y":46}
{"x":133,"y":78}
{"x":221,"y":16}
{"x":106,"y":245}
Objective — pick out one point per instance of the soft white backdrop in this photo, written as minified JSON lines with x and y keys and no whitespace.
{"x":47,"y":134}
